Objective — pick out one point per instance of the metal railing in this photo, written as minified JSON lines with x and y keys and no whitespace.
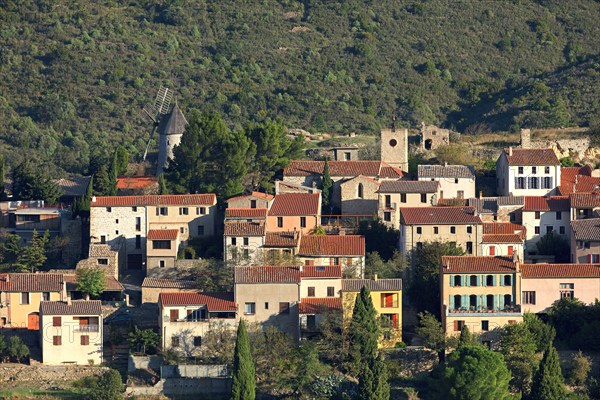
{"x":87,"y":328}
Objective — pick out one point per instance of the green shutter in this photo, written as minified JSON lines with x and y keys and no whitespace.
{"x":462,"y":281}
{"x":451,"y":280}
{"x":465,"y":301}
{"x":483,"y":280}
{"x":493,"y":280}
{"x":501,"y":302}
{"x":495,"y":301}
{"x":451,"y":302}
{"x":478,"y":280}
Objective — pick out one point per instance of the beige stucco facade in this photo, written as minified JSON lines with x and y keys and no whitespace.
{"x":19,"y":310}
{"x":503,"y":249}
{"x":454,"y":188}
{"x":73,"y":348}
{"x":390,"y":205}
{"x":160,"y":258}
{"x":351,"y":265}
{"x":288,"y":223}
{"x":548,"y":290}
{"x":467,"y":236}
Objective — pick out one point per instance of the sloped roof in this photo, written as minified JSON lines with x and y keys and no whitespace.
{"x":244,"y":213}
{"x":295,"y":204}
{"x":510,"y":200}
{"x":484,"y":205}
{"x":244,"y":229}
{"x":168,"y":283}
{"x":553,"y":203}
{"x":163,"y":234}
{"x":355,"y":285}
{"x":438,"y":215}
{"x":503,"y":232}
{"x":77,"y":307}
{"x":173,"y":123}
{"x":584,"y":200}
{"x":467,"y":264}
{"x":446,"y":171}
{"x":214,"y":301}
{"x":332,"y":245}
{"x":112,"y":284}
{"x":285,"y":274}
{"x":281,"y":239}
{"x":453,"y":202}
{"x":586,"y":229}
{"x":578,"y":180}
{"x":317,"y":305}
{"x":101,"y":250}
{"x":76,"y":186}
{"x":40,"y":282}
{"x":258,"y":195}
{"x":136,"y":182}
{"x":321,"y":271}
{"x":343,"y":168}
{"x":408,"y":187}
{"x":560,"y":270}
{"x":155,"y":200}
{"x":531,"y":157}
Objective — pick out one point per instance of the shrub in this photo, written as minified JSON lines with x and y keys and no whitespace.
{"x":579,"y":368}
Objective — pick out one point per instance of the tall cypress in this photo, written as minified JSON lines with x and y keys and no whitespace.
{"x":363,"y":330}
{"x":2,"y":193}
{"x":548,"y":383}
{"x":162,"y":185}
{"x":327,"y":186}
{"x":243,"y":386}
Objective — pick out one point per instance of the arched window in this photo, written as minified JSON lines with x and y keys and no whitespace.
{"x":489,"y":280}
{"x":360,"y":190}
{"x":507,"y":300}
{"x":473,"y":301}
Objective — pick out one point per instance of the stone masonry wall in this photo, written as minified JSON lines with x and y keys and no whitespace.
{"x":45,"y":376}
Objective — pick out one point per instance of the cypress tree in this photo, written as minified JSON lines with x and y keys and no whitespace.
{"x":327,"y":186}
{"x":373,"y":381}
{"x":467,"y":338}
{"x":162,"y":185}
{"x":2,"y":193}
{"x":243,"y":386}
{"x":548,"y":383}
{"x":363,"y":330}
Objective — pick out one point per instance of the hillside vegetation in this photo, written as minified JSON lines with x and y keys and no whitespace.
{"x":75,"y":74}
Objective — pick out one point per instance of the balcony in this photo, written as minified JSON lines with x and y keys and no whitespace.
{"x":484,"y":311}
{"x":87,"y":328}
{"x":390,"y":304}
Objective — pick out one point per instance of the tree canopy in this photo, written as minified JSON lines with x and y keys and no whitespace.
{"x":548,"y":382}
{"x":243,"y":386}
{"x":91,"y":281}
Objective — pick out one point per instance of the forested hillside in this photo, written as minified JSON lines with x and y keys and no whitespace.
{"x":75,"y":74}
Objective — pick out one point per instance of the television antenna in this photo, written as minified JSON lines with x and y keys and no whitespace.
{"x":157,"y":110}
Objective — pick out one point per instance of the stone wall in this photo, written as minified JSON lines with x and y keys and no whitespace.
{"x":45,"y":376}
{"x":576,"y":148}
{"x":205,"y":388}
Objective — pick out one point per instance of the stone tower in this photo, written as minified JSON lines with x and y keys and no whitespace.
{"x":170,"y":130}
{"x":394,"y":147}
{"x":526,"y":138}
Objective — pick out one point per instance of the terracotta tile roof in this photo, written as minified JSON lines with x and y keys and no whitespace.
{"x":321,"y":271}
{"x":4,"y":282}
{"x":155,"y":200}
{"x":77,"y":307}
{"x":503,"y":228}
{"x":438,"y":215}
{"x":502,"y":239}
{"x":332,"y":245}
{"x":245,"y":213}
{"x":112,"y":284}
{"x":244,"y":229}
{"x":585,"y":200}
{"x":260,"y":195}
{"x":408,"y":187}
{"x":214,"y":301}
{"x":532,"y":157}
{"x":76,"y":186}
{"x":281,"y":239}
{"x":136,"y":182}
{"x":101,"y":250}
{"x":267,"y":274}
{"x":560,"y":270}
{"x":355,"y":285}
{"x":296,"y":204}
{"x":168,"y":283}
{"x":578,"y":180}
{"x":446,"y":171}
{"x":163,"y":234}
{"x":318,"y":305}
{"x":586,"y":229}
{"x":343,"y":168}
{"x":554,"y":203}
{"x":40,"y":282}
{"x":467,"y":264}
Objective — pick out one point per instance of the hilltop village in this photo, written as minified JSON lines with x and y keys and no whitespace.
{"x":289,"y":263}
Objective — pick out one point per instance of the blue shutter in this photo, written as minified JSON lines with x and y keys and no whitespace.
{"x":451,"y":302}
{"x":483,"y":280}
{"x":501,"y":280}
{"x":478,"y":280}
{"x":495,"y":301}
{"x":462,"y":281}
{"x":500,"y":302}
{"x":451,"y":280}
{"x":465,"y":301}
{"x":493,"y":280}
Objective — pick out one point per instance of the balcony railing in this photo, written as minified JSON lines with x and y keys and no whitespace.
{"x":392,"y":304}
{"x":87,"y":328}
{"x":516,"y":309}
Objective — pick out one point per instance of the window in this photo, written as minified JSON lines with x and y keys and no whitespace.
{"x":489,"y":301}
{"x":246,"y":241}
{"x":457,"y":280}
{"x":473,"y":280}
{"x":266,"y":306}
{"x":85,"y":340}
{"x":138,"y":224}
{"x":537,"y":230}
{"x":558,"y":215}
{"x":117,"y":221}
{"x":311,"y":291}
{"x":347,"y":156}
{"x":458,"y":325}
{"x":567,"y":290}
{"x":452,"y":229}
{"x":302,"y":222}
{"x":388,"y":201}
{"x":473,"y":302}
{"x":252,"y":203}
{"x":117,"y":233}
{"x":423,"y":197}
{"x":507,"y":280}
{"x":533,"y":182}
{"x":547,"y":170}
{"x":402,"y":197}
{"x":335,"y":261}
{"x":174,"y":341}
{"x":108,"y":209}
{"x":197,"y":341}
{"x":183,"y":211}
{"x":360,"y":191}
{"x":311,"y":322}
{"x":200,"y":210}
{"x":25,"y":298}
{"x":103,"y":239}
{"x":485,"y":326}
{"x":419,"y":230}
{"x":181,"y":229}
{"x":57,"y":340}
{"x":469,"y":247}
{"x":528,"y":297}
{"x":489,"y":280}
{"x":56,"y":321}
{"x":161,"y":263}
{"x":435,"y":230}
{"x":455,"y":180}
{"x":280,"y":222}
{"x":469,"y":229}
{"x":234,"y":241}
{"x":520,"y":170}
{"x":549,"y":229}
{"x":173,"y":315}
{"x":134,"y":209}
{"x":511,"y":251}
{"x":161,"y":244}
{"x":595,"y":258}
{"x":586,"y":245}
{"x":45,"y":296}
{"x":537,"y":215}
{"x":534,"y":170}
{"x":547,"y":182}
{"x":507,"y":300}
{"x":162,"y":211}
{"x":249,"y":308}
{"x":520,"y":183}
{"x":200,"y":230}
{"x":387,"y":216}
{"x":284,"y":308}
{"x":561,"y":230}
{"x":330,"y":291}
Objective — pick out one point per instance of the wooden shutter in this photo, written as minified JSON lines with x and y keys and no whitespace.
{"x":56,"y":321}
{"x":510,"y":251}
{"x":57,"y":340}
{"x":492,"y":250}
{"x":456,"y":327}
{"x":85,"y":340}
{"x":174,"y":314}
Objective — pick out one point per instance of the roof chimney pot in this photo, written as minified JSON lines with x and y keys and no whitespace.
{"x":510,"y":151}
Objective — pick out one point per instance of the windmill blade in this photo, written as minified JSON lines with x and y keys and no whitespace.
{"x":149,"y":140}
{"x":163,"y":100}
{"x":151,"y":113}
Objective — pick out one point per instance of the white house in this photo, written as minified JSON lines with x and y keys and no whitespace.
{"x":527,"y":172}
{"x":456,"y":181}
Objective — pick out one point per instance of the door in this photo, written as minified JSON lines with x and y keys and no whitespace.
{"x":33,"y":321}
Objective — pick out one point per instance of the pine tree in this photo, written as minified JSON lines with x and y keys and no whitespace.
{"x":548,"y":383}
{"x":467,"y":338}
{"x":162,"y":185}
{"x":327,"y":186}
{"x":243,"y":386}
{"x":33,"y":257}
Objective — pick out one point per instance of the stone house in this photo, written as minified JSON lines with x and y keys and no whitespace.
{"x":254,"y":200}
{"x":542,"y":215}
{"x":345,"y":153}
{"x":152,"y":287}
{"x":456,"y":181}
{"x":500,"y":208}
{"x":359,"y":196}
{"x":585,"y":241}
{"x":108,"y":257}
{"x":433,"y":137}
{"x":480,"y":292}
{"x":395,"y":195}
{"x":528,"y":172}
{"x":71,"y":332}
{"x":163,"y":246}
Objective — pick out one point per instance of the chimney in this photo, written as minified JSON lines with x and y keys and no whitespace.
{"x":510,"y":151}
{"x":375,"y":277}
{"x":93,"y":199}
{"x":480,"y":194}
{"x":295,"y":234}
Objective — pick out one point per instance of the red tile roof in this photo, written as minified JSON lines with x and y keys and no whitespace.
{"x":260,"y":195}
{"x":296,"y":204}
{"x":77,"y":307}
{"x":136,"y":182}
{"x":155,"y":200}
{"x":502,"y":239}
{"x":532,"y":157}
{"x":343,"y":168}
{"x":245,"y":213}
{"x":163,"y":234}
{"x":40,"y":282}
{"x":244,"y":229}
{"x":578,"y":180}
{"x":318,"y":305}
{"x":560,"y":270}
{"x":438,"y":215}
{"x":467,"y":264}
{"x":281,"y":239}
{"x":214,"y":301}
{"x":319,"y":271}
{"x":585,"y":200}
{"x":168,"y":283}
{"x":332,"y":245}
{"x":284,"y":274}
{"x":503,"y":232}
{"x":553,"y":203}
